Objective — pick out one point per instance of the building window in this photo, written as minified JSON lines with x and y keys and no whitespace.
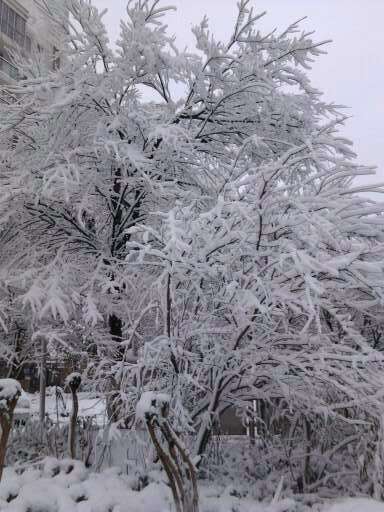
{"x":4,"y":16}
{"x":20,"y":30}
{"x":8,"y":68}
{"x":28,"y":44}
{"x":12,"y":24}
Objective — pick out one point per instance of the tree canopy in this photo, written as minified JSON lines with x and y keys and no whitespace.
{"x":208,"y":240}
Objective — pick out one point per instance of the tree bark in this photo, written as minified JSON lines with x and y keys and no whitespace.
{"x":6,"y":419}
{"x":74,"y":382}
{"x":43,"y":379}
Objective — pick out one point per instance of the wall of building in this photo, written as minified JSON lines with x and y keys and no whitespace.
{"x":42,"y":39}
{"x":42,"y":29}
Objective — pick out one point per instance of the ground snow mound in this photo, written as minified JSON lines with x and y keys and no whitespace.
{"x":356,"y":505}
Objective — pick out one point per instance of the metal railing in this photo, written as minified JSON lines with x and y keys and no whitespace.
{"x":8,"y":68}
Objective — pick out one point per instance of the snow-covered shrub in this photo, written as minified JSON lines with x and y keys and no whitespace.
{"x":153,"y":410}
{"x":336,"y":453}
{"x":28,"y":443}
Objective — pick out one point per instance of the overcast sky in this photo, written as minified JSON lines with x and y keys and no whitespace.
{"x":352,"y":73}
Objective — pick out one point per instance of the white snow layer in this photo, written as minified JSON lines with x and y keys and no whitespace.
{"x":151,"y":403}
{"x":356,"y":505}
{"x":67,"y":486}
{"x":9,"y":390}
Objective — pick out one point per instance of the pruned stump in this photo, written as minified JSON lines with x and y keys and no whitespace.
{"x":73,"y":382}
{"x":10,"y":391}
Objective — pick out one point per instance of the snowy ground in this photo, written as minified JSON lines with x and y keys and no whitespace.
{"x":356,"y":505}
{"x":57,"y":409}
{"x":67,"y":486}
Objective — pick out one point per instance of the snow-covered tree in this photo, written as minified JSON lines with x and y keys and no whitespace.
{"x":211,"y":241}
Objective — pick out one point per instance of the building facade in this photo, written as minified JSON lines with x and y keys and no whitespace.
{"x":27,"y":28}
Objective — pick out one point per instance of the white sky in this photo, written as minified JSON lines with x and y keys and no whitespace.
{"x":351,"y":74}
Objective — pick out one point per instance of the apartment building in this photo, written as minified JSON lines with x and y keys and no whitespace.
{"x":26,"y":27}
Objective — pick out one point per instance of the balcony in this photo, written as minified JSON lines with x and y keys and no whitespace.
{"x":8,"y":69}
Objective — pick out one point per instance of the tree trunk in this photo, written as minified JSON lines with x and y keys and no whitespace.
{"x":113,"y":409}
{"x":43,"y":379}
{"x":73,"y":382}
{"x":72,"y":426}
{"x":206,"y":425}
{"x":252,"y":423}
{"x":307,"y":472}
{"x":6,"y":419}
{"x":5,"y":425}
